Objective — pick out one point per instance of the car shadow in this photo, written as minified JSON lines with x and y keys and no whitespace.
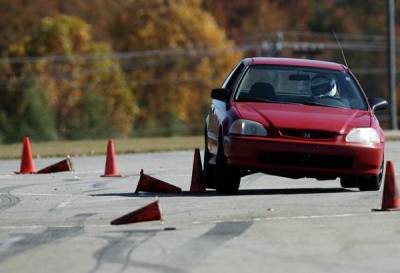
{"x":213,"y":193}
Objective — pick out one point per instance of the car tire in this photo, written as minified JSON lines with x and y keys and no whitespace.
{"x":209,"y":169}
{"x":227,"y":178}
{"x":349,"y":182}
{"x":371,"y":182}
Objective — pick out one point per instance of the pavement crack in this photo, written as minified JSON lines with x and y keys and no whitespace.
{"x":22,"y":242}
{"x":199,"y":248}
{"x":8,"y":200}
{"x":29,"y":241}
{"x":119,"y":249}
{"x":182,"y":259}
{"x":78,"y":219}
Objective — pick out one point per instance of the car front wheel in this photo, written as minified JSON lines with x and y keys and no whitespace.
{"x":349,"y":182}
{"x":227,"y":178}
{"x":371,"y":182}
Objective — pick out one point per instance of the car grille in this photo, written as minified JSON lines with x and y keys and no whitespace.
{"x":307,"y":134}
{"x":306,"y":160}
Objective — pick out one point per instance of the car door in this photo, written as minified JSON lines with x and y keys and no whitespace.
{"x":217,"y":112}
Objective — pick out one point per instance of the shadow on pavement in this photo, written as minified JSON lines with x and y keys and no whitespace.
{"x":212,"y":193}
{"x":292,"y":191}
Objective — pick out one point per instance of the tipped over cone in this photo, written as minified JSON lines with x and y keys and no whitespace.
{"x":61,"y":166}
{"x":27,"y":165}
{"x":197,"y":185}
{"x":390,"y":199}
{"x":150,"y":212}
{"x":150,"y":184}
{"x":111,"y":168}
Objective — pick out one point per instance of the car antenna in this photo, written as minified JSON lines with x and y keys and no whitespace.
{"x":340,"y":46}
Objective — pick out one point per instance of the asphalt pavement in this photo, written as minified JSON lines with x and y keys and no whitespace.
{"x":60,"y":222}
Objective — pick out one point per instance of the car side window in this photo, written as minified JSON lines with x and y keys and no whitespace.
{"x":229,"y":83}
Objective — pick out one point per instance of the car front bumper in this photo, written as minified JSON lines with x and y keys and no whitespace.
{"x":299,"y":158}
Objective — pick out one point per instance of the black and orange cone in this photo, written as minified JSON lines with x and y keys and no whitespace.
{"x":61,"y":166}
{"x":150,"y":212}
{"x":111,"y":168}
{"x":27,"y":165}
{"x":391,"y":198}
{"x":197,"y":185}
{"x":150,"y":184}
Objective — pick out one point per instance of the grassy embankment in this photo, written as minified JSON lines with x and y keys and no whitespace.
{"x":99,"y":147}
{"x":122,"y":146}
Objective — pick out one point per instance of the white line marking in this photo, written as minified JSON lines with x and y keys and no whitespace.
{"x":300,"y":217}
{"x":165,"y":169}
{"x":22,"y":227}
{"x":88,"y":172}
{"x":57,"y":226}
{"x":43,"y":194}
{"x":61,"y":205}
{"x":173,"y":175}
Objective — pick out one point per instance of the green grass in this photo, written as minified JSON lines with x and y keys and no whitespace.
{"x":122,"y":146}
{"x":99,"y":147}
{"x":392,"y":138}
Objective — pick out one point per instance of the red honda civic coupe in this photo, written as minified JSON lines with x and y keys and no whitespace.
{"x":293,"y":118}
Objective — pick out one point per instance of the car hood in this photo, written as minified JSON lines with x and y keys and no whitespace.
{"x":298,"y":116}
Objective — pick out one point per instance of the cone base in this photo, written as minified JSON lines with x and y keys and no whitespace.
{"x":113,"y":223}
{"x":111,"y":175}
{"x":25,"y":173}
{"x":197,"y":191}
{"x":383,"y":210}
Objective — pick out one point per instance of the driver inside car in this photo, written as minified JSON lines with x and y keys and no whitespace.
{"x":322,"y":86}
{"x":325,"y":90}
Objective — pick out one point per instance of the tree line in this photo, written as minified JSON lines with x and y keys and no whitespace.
{"x":74,"y":69}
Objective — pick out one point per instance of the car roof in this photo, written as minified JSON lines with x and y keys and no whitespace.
{"x":295,"y":62}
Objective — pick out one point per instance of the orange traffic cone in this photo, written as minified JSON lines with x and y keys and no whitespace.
{"x":150,"y":184}
{"x":111,"y":168}
{"x":150,"y":212}
{"x":27,"y":164}
{"x":62,"y":166}
{"x":197,"y":185}
{"x":390,"y":199}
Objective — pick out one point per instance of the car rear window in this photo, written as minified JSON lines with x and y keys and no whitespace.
{"x":304,"y":85}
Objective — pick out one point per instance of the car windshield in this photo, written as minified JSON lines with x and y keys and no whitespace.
{"x":300,"y":85}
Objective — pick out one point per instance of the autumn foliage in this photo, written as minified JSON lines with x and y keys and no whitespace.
{"x":176,"y":88}
{"x":101,"y":68}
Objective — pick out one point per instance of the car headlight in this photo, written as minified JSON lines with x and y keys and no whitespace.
{"x":363,"y":136}
{"x":247,"y":128}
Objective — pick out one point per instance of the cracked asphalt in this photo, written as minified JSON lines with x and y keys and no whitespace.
{"x":60,"y":222}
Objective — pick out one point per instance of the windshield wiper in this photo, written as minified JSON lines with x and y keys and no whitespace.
{"x":256,"y":100}
{"x":312,"y":103}
{"x":265,"y":100}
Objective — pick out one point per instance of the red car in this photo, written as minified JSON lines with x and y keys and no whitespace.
{"x":293,"y":118}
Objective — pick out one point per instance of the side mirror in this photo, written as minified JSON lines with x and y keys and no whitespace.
{"x":378,"y":104}
{"x":221,"y":94}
